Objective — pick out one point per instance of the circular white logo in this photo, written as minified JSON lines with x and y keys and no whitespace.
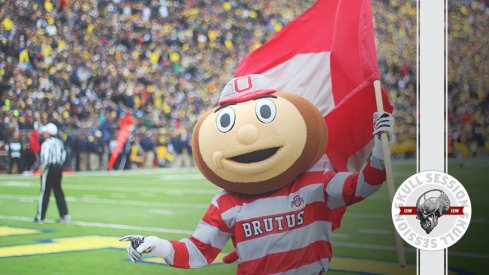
{"x":431,"y":210}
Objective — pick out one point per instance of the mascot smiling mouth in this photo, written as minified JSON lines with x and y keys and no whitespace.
{"x":256,"y":156}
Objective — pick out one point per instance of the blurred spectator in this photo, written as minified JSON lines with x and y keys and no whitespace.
{"x":34,"y":148}
{"x":112,"y":144}
{"x":187,"y":149}
{"x":69,"y":141}
{"x":14,"y":148}
{"x":180,"y":145}
{"x":95,"y":150}
{"x":137,"y":155}
{"x":125,"y":161}
{"x":83,"y":151}
{"x":477,"y":141}
{"x":176,"y":148}
{"x":162,"y":154}
{"x":149,"y":150}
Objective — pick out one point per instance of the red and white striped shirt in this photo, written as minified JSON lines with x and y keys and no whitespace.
{"x":288,"y":231}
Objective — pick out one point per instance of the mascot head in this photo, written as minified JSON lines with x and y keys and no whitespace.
{"x":258,"y":140}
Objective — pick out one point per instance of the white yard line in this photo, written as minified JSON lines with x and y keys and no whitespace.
{"x":366,"y":215}
{"x":370,"y":246}
{"x":408,"y":249}
{"x":19,"y":184}
{"x":138,"y":172}
{"x":341,"y":236}
{"x":376,"y":231}
{"x":382,"y":197}
{"x":182,"y":177}
{"x":480,"y":220}
{"x":162,"y":212}
{"x":467,"y":254}
{"x":164,"y":190}
{"x":92,"y":199}
{"x":106,"y":225}
{"x":119,"y":195}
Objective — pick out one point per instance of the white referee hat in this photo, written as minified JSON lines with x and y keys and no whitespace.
{"x":245,"y":88}
{"x":50,"y":128}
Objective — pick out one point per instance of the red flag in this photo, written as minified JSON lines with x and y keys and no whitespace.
{"x":125,"y":129}
{"x":327,"y":55}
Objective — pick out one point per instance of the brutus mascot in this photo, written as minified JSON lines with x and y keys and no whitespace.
{"x":261,"y":147}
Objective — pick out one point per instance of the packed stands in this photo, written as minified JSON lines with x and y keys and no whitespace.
{"x":84,"y":64}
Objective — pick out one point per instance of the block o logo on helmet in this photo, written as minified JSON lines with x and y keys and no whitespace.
{"x":246,"y":80}
{"x":419,"y":204}
{"x":245,"y":88}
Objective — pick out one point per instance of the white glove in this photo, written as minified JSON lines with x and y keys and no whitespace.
{"x":151,"y":245}
{"x":383,"y":123}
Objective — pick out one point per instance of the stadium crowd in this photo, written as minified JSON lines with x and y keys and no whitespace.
{"x":84,"y":64}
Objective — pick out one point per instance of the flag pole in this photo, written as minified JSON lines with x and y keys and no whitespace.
{"x":401,"y":255}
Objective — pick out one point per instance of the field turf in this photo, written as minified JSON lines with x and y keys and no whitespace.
{"x":169,"y":203}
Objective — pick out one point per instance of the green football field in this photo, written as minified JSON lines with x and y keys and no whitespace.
{"x":169,"y":203}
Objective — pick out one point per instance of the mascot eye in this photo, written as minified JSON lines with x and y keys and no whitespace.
{"x":225,"y":120}
{"x":266,"y":110}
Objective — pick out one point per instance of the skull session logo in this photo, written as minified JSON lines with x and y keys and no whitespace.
{"x":431,"y":210}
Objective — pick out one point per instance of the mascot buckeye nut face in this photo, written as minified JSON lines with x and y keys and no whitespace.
{"x":258,"y":140}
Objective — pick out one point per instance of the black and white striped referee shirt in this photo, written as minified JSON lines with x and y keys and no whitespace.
{"x":52,"y":152}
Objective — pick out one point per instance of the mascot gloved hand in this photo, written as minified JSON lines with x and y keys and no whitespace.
{"x":383,"y":123}
{"x":266,"y":150}
{"x":151,"y":245}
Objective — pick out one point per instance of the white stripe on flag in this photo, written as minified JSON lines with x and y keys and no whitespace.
{"x":308,"y":75}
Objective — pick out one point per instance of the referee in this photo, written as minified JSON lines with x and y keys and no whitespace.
{"x":53,"y":156}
